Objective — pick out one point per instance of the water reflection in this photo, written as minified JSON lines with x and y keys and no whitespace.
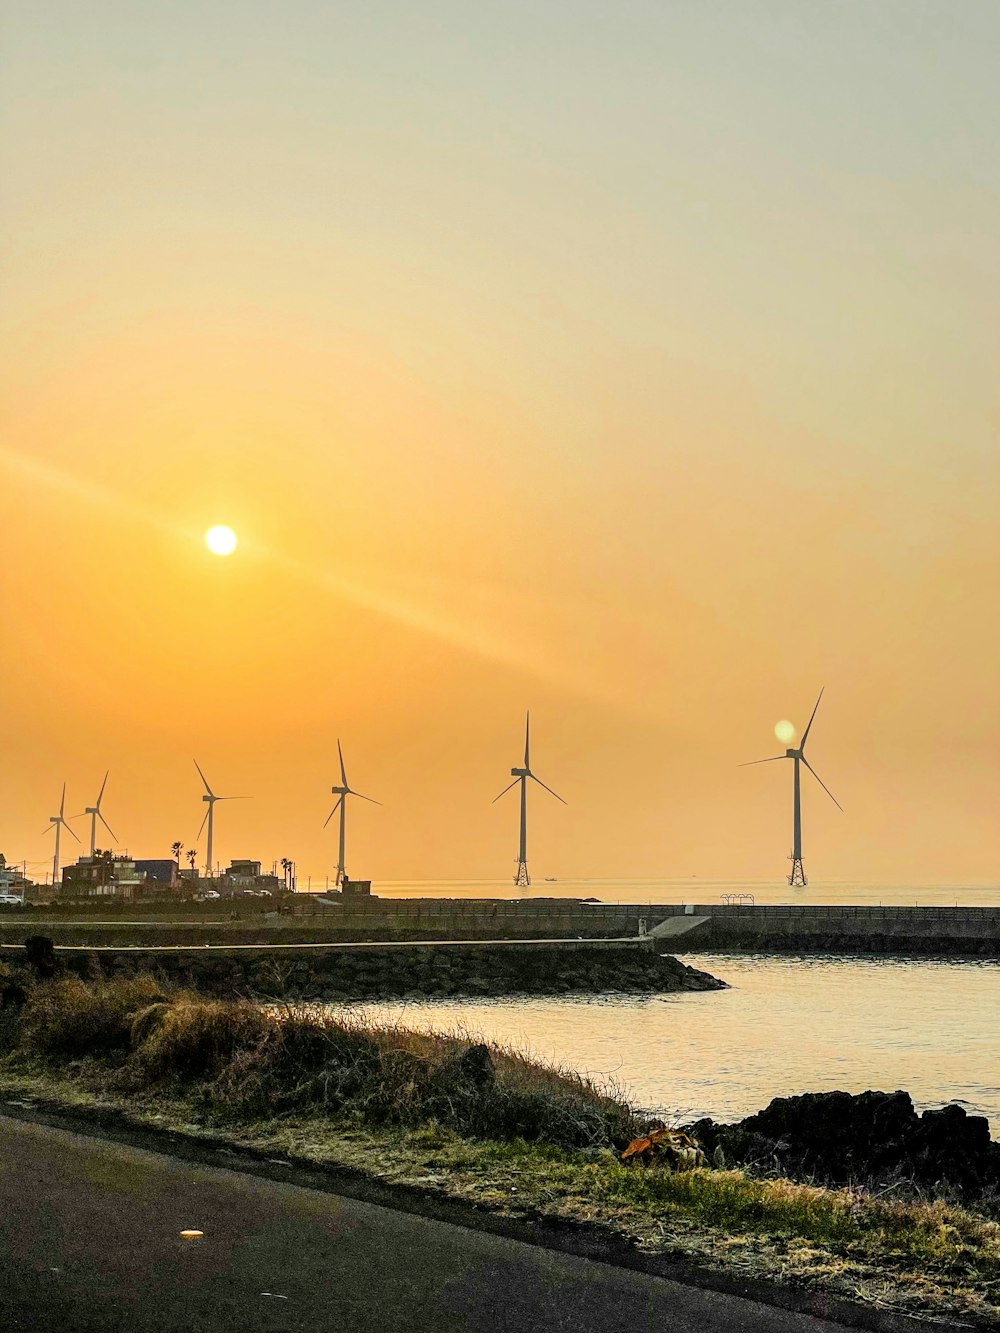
{"x":787,"y":1025}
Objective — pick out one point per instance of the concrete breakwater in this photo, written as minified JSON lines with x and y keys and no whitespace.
{"x":958,"y":931}
{"x":952,"y":931}
{"x":400,"y":971}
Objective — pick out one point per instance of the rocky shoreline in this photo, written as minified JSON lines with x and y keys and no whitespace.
{"x":870,"y":1138}
{"x":396,"y":972}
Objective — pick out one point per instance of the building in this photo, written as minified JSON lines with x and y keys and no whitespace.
{"x":12,"y":880}
{"x":102,"y":876}
{"x":246,"y":877}
{"x":161,"y":875}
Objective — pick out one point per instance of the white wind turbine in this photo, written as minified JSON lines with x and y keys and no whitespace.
{"x":342,"y":792}
{"x":521,"y":775}
{"x":210,"y":799}
{"x":797,"y":754}
{"x":95,"y":814}
{"x":58,"y":822}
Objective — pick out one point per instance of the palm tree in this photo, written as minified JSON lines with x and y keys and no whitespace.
{"x":192,"y":857}
{"x":286,"y":866}
{"x":177,"y":848}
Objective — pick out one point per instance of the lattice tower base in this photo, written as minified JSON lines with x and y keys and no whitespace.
{"x":797,"y":879}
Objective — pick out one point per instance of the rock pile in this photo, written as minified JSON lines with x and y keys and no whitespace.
{"x":416,"y":974}
{"x":837,"y":1138}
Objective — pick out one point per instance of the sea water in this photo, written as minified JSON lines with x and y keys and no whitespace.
{"x":787,"y":1025}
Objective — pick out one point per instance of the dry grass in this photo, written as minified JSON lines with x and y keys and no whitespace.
{"x":246,"y":1063}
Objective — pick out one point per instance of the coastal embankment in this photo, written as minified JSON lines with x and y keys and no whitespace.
{"x":972,"y":932}
{"x":386,"y":971}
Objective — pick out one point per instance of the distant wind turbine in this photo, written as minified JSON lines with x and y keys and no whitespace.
{"x":342,"y":792}
{"x":210,"y":799}
{"x":797,"y":878}
{"x":95,"y":814}
{"x":58,"y":822}
{"x":521,"y":775}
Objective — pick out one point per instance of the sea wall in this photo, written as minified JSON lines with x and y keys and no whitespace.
{"x":959,"y":931}
{"x":398,"y":971}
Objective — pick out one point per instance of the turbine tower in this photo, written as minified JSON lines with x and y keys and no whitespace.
{"x":210,"y":799}
{"x":58,"y":822}
{"x":797,"y":879}
{"x":342,"y":792}
{"x":95,"y":814}
{"x":521,"y":775}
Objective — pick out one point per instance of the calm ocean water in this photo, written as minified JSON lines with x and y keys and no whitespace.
{"x":788,"y":1025}
{"x":699,"y":891}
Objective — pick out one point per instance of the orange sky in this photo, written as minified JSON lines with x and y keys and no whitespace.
{"x":641,"y":370}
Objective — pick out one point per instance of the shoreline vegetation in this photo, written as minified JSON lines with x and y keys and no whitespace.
{"x":487,"y":1126}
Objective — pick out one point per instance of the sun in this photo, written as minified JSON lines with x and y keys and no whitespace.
{"x":785,"y":732}
{"x":220,"y":540}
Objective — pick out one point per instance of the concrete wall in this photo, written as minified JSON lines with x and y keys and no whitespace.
{"x":958,"y":930}
{"x":953,"y":930}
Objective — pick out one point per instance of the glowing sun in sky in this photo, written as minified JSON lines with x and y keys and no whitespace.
{"x":220,"y":540}
{"x":785,"y":732}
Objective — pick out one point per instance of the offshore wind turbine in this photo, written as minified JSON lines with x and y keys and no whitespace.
{"x":95,"y":814}
{"x":342,"y":792}
{"x":58,"y":822}
{"x":521,"y":775}
{"x":210,"y":799}
{"x":797,"y":878}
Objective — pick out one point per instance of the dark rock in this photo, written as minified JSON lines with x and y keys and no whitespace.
{"x":41,"y":955}
{"x":872,"y":1137}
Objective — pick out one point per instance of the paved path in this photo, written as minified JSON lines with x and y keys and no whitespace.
{"x":92,"y":1244}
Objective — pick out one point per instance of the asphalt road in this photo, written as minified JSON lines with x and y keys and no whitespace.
{"x":92,"y":1244}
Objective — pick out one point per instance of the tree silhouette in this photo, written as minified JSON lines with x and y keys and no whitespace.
{"x":177,"y":848}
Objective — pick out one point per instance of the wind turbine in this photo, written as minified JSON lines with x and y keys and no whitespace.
{"x":95,"y":814}
{"x":798,"y":876}
{"x":58,"y":822}
{"x":521,"y":775}
{"x":342,"y":792}
{"x":210,"y":799}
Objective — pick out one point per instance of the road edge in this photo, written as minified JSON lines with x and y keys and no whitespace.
{"x":581,"y":1239}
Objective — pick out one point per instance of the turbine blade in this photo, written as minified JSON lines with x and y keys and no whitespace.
{"x":232,"y":798}
{"x":366,"y":798}
{"x":773,"y":760}
{"x":527,"y":738}
{"x":203,"y":823}
{"x":68,"y":829}
{"x":107,"y":825}
{"x":62,"y":803}
{"x":805,"y":734}
{"x":101,"y":794}
{"x":203,"y":778}
{"x":49,"y":827}
{"x":333,"y":811}
{"x":343,"y":771}
{"x":822,"y":783}
{"x":505,"y":791}
{"x":548,"y":789}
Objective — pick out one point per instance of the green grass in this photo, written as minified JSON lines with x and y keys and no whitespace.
{"x":478,"y":1123}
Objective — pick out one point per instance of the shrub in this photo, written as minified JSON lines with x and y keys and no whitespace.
{"x":69,"y":1019}
{"x":192,"y":1039}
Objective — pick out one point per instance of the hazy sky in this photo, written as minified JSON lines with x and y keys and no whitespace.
{"x":634,"y":362}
